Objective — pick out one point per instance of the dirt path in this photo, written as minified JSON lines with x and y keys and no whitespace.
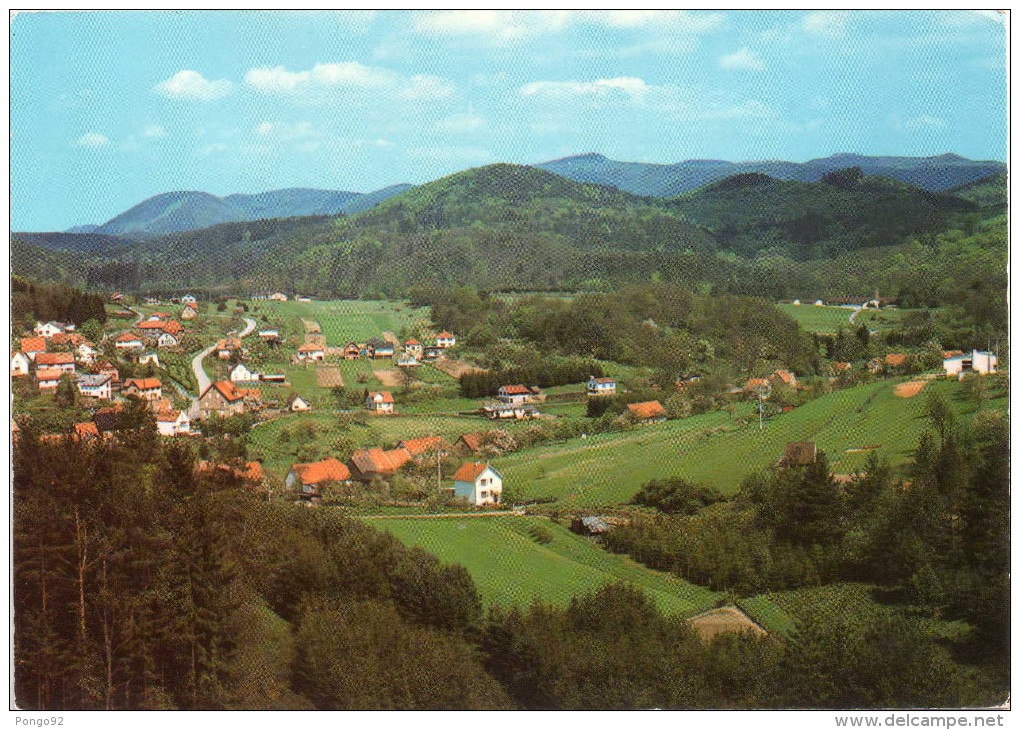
{"x":909,"y":390}
{"x":721,"y":620}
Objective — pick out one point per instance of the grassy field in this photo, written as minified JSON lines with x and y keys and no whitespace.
{"x":512,"y":568}
{"x":878,"y":320}
{"x":713,"y":449}
{"x":346,"y":320}
{"x":823,"y":320}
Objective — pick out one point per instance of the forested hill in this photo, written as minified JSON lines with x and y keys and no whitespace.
{"x":845,"y":211}
{"x":508,"y":227}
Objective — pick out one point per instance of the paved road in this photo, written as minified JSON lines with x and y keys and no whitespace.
{"x":196,"y":366}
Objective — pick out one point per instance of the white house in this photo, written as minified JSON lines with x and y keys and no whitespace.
{"x":515,"y":395}
{"x":241,"y":374}
{"x":19,"y":364}
{"x":96,"y":386}
{"x":601,"y":386}
{"x":87,"y":353}
{"x":445,"y":339}
{"x":297,"y":403}
{"x":170,"y":422}
{"x":63,"y":361}
{"x":975,"y":362}
{"x":49,"y":329}
{"x":128,"y":342}
{"x":48,"y":378}
{"x":146,"y":358}
{"x":313,"y":353}
{"x":478,"y":483}
{"x":188,"y":299}
{"x":167,"y":340}
{"x":380,"y":402}
{"x":278,"y":297}
{"x":413,"y":348}
{"x":269,"y":334}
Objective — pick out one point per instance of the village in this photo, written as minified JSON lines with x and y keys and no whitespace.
{"x":285,"y":371}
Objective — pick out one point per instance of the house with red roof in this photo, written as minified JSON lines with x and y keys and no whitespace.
{"x":380,"y":401}
{"x":32,"y":346}
{"x":413,"y":348}
{"x":601,"y":386}
{"x":171,"y":422}
{"x":311,"y":353}
{"x":62,"y":361}
{"x":128,"y":341}
{"x":445,"y":339}
{"x":351,"y":351}
{"x":369,"y":464}
{"x":515,"y":395}
{"x":48,"y":378}
{"x":145,"y":388}
{"x":20,"y":364}
{"x":478,"y":484}
{"x":424,"y":448}
{"x":221,"y":398}
{"x":309,"y":479}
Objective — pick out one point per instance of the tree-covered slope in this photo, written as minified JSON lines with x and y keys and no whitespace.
{"x":843,"y":212}
{"x":170,"y":212}
{"x":991,"y":192}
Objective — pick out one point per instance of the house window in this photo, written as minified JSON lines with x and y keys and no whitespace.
{"x":483,"y":495}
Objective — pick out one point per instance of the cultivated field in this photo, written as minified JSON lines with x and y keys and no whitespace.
{"x":344,"y":320}
{"x":511,"y":568}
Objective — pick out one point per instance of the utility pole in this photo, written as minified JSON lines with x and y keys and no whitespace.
{"x":761,"y":408}
{"x":439,"y":469}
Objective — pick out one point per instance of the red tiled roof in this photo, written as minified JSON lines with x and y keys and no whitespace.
{"x":415,"y":447}
{"x":54,"y":358}
{"x":387,"y":397}
{"x":469,"y":471}
{"x":895,"y":359}
{"x":310,"y":348}
{"x":48,"y":374}
{"x":327,"y":470}
{"x":786,"y":376}
{"x":516,"y":389}
{"x":168,"y":415}
{"x":33,"y":344}
{"x":153,"y":325}
{"x":127,"y":337}
{"x":252,"y":470}
{"x":377,"y":460}
{"x":173,"y":327}
{"x":227,"y":390}
{"x":648,"y":409}
{"x":143,"y":383}
{"x":412,"y":342}
{"x":756,"y":383}
{"x":444,"y":335}
{"x":604,"y":380}
{"x":473,"y":440}
{"x":945,"y":355}
{"x":841,"y":365}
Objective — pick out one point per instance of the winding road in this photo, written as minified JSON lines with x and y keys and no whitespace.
{"x":200,"y":376}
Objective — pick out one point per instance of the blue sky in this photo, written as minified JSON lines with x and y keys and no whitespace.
{"x":111,"y":108}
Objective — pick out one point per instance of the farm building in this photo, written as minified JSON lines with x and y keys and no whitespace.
{"x":86,"y":431}
{"x":478,"y":483}
{"x":380,"y":401}
{"x":48,"y":329}
{"x":309,"y":479}
{"x":351,"y":351}
{"x":190,"y":311}
{"x":227,"y":347}
{"x":504,"y":412}
{"x":63,"y":361}
{"x":296,"y":403}
{"x":32,"y":346}
{"x":144,"y":388}
{"x":241,"y":374}
{"x":375,"y":463}
{"x":311,"y":353}
{"x":469,"y":443}
{"x":249,"y":473}
{"x":86,"y":352}
{"x":974,"y":362}
{"x":757,"y":386}
{"x":647,"y":412}
{"x":145,"y":358}
{"x":221,"y":398}
{"x":269,"y":334}
{"x":128,"y":341}
{"x":589,"y":526}
{"x":19,"y":364}
{"x":274,"y":377}
{"x":408,"y":362}
{"x":47,"y":378}
{"x":601,"y":386}
{"x":785,"y":377}
{"x":188,"y":299}
{"x":445,"y":339}
{"x":799,"y":453}
{"x":96,"y":386}
{"x":432,"y":352}
{"x":380,"y":348}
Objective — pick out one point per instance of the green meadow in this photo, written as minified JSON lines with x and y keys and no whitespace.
{"x":345,"y":320}
{"x":714,"y":449}
{"x":822,"y":320}
{"x":511,"y":568}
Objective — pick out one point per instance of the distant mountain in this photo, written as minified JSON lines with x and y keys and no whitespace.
{"x":89,"y":228}
{"x":931,"y":173}
{"x":181,"y":211}
{"x":67,"y":241}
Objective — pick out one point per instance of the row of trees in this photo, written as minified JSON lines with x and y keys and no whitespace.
{"x":32,"y":301}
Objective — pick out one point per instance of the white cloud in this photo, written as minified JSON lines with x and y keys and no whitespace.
{"x":154,"y":131}
{"x":264,"y":128}
{"x":461,"y":124}
{"x":212,"y":149}
{"x":323,"y":77}
{"x":830,"y":23}
{"x":193,"y":86}
{"x":742,"y":60}
{"x":93,"y":140}
{"x":628,"y":85}
{"x":920,"y":122}
{"x":286,"y":131}
{"x":507,"y":26}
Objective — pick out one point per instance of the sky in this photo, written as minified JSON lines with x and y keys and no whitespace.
{"x":110,"y":108}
